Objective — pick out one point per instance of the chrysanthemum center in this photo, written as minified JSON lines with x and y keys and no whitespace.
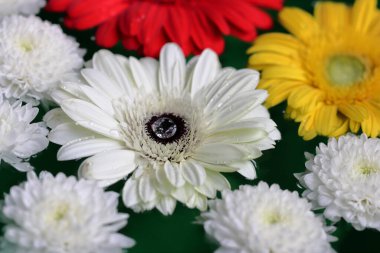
{"x":165,"y":128}
{"x":345,"y":70}
{"x":273,"y":217}
{"x":368,"y":170}
{"x":26,"y":46}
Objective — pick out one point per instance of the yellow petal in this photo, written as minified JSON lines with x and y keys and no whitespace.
{"x":327,"y":120}
{"x":354,"y":112}
{"x":332,"y":16}
{"x":261,"y":60}
{"x":363,"y":13}
{"x":354,"y":126}
{"x":299,"y":22}
{"x":305,"y":97}
{"x":279,"y":92}
{"x":277,"y":38}
{"x":275,"y":48}
{"x":285,"y":72}
{"x":306,"y":129}
{"x":375,"y":26}
{"x":341,"y":130}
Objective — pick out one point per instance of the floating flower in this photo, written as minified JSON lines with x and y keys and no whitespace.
{"x":328,"y":70}
{"x":174,"y":126}
{"x":146,"y":25}
{"x":26,"y":7}
{"x":60,"y":214}
{"x":19,"y":138}
{"x":344,"y":177}
{"x":265,"y":219}
{"x":34,"y":56}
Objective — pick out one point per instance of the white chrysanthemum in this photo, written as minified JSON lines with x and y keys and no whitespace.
{"x":48,"y":214}
{"x":174,"y":126}
{"x":34,"y":56}
{"x":344,"y":178}
{"x":19,"y":138}
{"x":26,"y":7}
{"x":265,"y":219}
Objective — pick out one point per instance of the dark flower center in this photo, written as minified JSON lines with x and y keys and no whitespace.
{"x":166,"y":128}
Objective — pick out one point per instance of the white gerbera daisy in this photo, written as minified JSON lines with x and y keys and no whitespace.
{"x":174,"y":126}
{"x":34,"y":56}
{"x":344,"y":177}
{"x":48,"y":214}
{"x":26,"y":7}
{"x":19,"y":138}
{"x":265,"y":219}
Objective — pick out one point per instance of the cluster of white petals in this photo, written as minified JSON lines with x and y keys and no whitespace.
{"x":19,"y":138}
{"x":265,"y":219}
{"x":25,"y":7}
{"x":344,"y":177}
{"x":48,"y":214}
{"x":170,"y":127}
{"x":35,"y":56}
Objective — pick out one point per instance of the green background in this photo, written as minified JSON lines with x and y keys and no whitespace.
{"x":177,"y":233}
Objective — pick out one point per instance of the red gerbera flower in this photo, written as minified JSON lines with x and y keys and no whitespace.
{"x":146,"y":25}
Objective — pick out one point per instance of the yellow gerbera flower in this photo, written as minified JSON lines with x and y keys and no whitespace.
{"x":328,"y":70}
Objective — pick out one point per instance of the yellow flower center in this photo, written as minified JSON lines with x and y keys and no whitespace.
{"x":272,"y":218}
{"x":368,"y":170}
{"x":26,"y":46}
{"x":345,"y":70}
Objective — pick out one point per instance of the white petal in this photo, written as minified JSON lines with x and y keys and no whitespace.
{"x":237,"y":107}
{"x":146,"y":190}
{"x":162,"y":183}
{"x":98,"y":99}
{"x":193,"y":172}
{"x":237,"y":84}
{"x":56,"y":117}
{"x":108,"y":165}
{"x":184,"y":193}
{"x":166,"y":205}
{"x":218,"y":180}
{"x":130,"y":193}
{"x":103,"y":83}
{"x":108,"y":63}
{"x":205,"y":71}
{"x":221,"y":153}
{"x":151,"y":67}
{"x":67,"y":132}
{"x":86,"y":147}
{"x":237,"y":135}
{"x":140,"y":75}
{"x":174,"y":174}
{"x":91,"y":117}
{"x":172,"y":68}
{"x":247,"y":169}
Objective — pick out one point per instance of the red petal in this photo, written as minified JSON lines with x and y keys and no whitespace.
{"x":153,"y":49}
{"x":107,"y":35}
{"x":270,"y":4}
{"x":262,"y":20}
{"x":131,"y":43}
{"x":177,"y":25}
{"x":58,"y":5}
{"x":93,"y":15}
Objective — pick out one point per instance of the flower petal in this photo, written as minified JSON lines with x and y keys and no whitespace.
{"x":221,"y":153}
{"x":108,"y":165}
{"x":193,"y":172}
{"x":146,"y":190}
{"x":174,"y":174}
{"x":91,"y":117}
{"x":80,"y":148}
{"x":172,"y":68}
{"x":205,"y":71}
